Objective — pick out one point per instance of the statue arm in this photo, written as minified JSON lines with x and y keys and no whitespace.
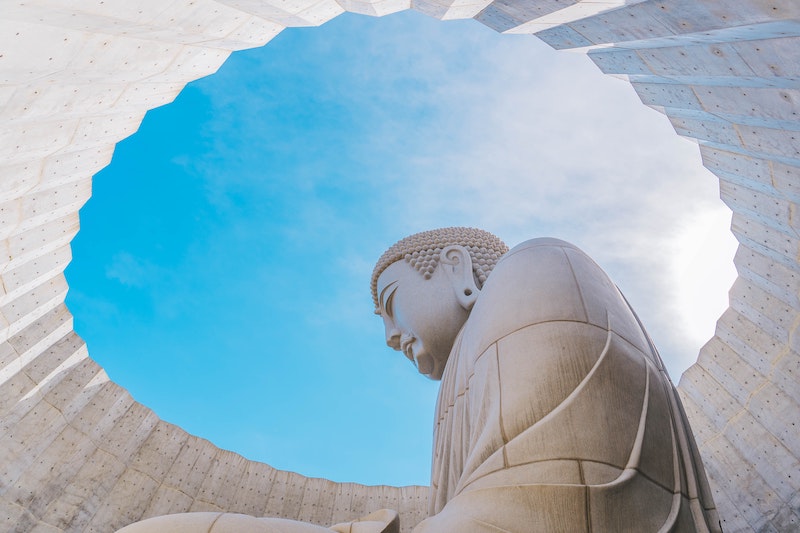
{"x":520,"y":463}
{"x":381,"y":521}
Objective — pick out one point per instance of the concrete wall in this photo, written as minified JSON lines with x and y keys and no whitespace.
{"x":78,"y":454}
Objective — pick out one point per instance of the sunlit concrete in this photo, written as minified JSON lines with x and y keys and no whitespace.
{"x":78,"y":454}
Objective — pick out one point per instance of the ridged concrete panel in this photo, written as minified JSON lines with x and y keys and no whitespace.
{"x":78,"y":454}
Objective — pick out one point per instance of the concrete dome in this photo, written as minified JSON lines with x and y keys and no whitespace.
{"x":78,"y":454}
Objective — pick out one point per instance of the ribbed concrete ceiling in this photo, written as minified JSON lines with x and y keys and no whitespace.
{"x":78,"y":454}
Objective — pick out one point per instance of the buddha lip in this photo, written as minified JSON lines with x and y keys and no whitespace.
{"x":406,"y":348}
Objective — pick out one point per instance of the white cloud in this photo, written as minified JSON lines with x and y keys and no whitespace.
{"x":544,"y":144}
{"x":703,"y":262}
{"x":132,"y":271}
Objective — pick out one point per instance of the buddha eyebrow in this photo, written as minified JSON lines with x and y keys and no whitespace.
{"x":380,"y":298}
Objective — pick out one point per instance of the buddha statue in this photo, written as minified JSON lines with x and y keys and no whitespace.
{"x":555,"y":412}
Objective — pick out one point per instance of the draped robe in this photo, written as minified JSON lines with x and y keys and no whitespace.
{"x":555,"y":412}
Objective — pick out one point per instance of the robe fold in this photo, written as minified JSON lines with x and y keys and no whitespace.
{"x":555,"y":412}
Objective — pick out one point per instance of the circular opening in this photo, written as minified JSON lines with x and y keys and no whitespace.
{"x":228,"y":289}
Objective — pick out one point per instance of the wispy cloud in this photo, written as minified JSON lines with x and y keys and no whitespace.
{"x":133,"y":271}
{"x":504,"y":134}
{"x":543,"y":144}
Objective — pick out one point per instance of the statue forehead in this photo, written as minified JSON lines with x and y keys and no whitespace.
{"x":401,"y":273}
{"x":422,"y":251}
{"x":398,"y":271}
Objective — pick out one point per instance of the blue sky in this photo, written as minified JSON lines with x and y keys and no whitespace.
{"x":222,"y":269}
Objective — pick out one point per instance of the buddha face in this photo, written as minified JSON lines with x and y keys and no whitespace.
{"x":422,"y":316}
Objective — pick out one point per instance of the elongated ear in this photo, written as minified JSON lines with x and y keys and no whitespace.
{"x":457,"y":264}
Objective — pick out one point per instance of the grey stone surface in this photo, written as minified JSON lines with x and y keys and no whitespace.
{"x":555,"y":413}
{"x":76,"y":79}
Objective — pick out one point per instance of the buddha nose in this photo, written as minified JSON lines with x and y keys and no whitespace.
{"x":393,"y":338}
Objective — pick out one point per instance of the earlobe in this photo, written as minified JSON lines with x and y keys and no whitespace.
{"x":457,"y":264}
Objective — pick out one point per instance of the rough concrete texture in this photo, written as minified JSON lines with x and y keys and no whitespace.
{"x":77,"y":454}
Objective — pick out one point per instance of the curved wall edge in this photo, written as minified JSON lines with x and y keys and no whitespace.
{"x":78,"y":454}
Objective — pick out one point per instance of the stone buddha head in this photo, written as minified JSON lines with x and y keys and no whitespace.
{"x":424,"y":288}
